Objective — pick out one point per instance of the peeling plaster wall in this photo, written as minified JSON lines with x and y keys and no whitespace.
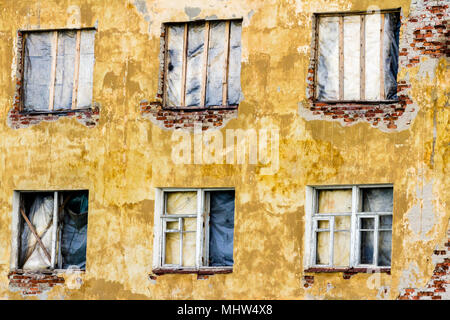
{"x":125,"y":156}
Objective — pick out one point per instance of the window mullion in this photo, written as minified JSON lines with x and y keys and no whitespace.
{"x":331,"y":227}
{"x":362,"y":59}
{"x":225,"y":67}
{"x":375,"y":240}
{"x":166,"y":65}
{"x":76,"y":72}
{"x":341,"y":57}
{"x":382,"y":93}
{"x":163,"y":230}
{"x":181,"y":227}
{"x":54,"y":229}
{"x":199,"y":235}
{"x":51,"y":99}
{"x":206,"y":215}
{"x":353,"y":228}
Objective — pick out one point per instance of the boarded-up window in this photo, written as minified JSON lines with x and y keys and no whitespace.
{"x":337,"y":242}
{"x":53,"y":233}
{"x":203,"y":64}
{"x":188,"y":243}
{"x":357,"y":56}
{"x":58,"y":70}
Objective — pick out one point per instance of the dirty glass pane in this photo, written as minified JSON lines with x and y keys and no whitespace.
{"x":332,"y":201}
{"x":328,"y":56}
{"x":323,"y":248}
{"x":189,"y":224}
{"x":194,"y":69}
{"x":373,"y":27}
{"x":342,"y":222}
{"x":377,"y":199}
{"x":367,"y":223}
{"x":174,"y":65}
{"x":181,"y":202}
{"x":390,"y":54}
{"x":234,"y":65}
{"x":352,"y":71}
{"x":385,"y":222}
{"x":37,"y":70}
{"x":221,"y":228}
{"x":366,"y":247}
{"x":172,"y":248}
{"x":39,"y":210}
{"x":189,"y":240}
{"x":86,"y":70}
{"x":216,"y":64}
{"x":65,"y":66}
{"x":341,"y":251}
{"x":384,"y":248}
{"x":323,"y":224}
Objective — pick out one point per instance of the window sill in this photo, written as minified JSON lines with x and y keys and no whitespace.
{"x":195,"y":108}
{"x":47,"y":271}
{"x":368,"y":102}
{"x":349,"y":270}
{"x":200,"y":271}
{"x":51,"y":112}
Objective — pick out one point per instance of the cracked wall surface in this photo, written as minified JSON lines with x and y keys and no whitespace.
{"x":125,"y":155}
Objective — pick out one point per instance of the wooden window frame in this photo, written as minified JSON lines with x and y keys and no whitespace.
{"x":225,"y":82}
{"x":311,"y":208}
{"x":54,"y":55}
{"x":57,"y":223}
{"x":341,"y":16}
{"x":202,"y":233}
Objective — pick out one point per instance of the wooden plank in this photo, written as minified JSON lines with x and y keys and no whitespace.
{"x":341,"y":57}
{"x":22,"y":75}
{"x":362,"y":59}
{"x":225,"y":66}
{"x":316,"y":55}
{"x":166,"y":63}
{"x":205,"y":64}
{"x":33,"y":230}
{"x":51,"y":99}
{"x":54,"y":227}
{"x":382,"y":93}
{"x":76,"y":72}
{"x":184,"y":64}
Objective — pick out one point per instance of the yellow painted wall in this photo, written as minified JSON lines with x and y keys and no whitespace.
{"x":125,"y":157}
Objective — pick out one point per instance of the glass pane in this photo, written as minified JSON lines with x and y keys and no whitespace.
{"x":341,"y":248}
{"x":366,"y":247}
{"x":65,"y":66}
{"x":386,"y":222}
{"x":172,"y":225}
{"x":234,"y":64}
{"x":372,"y":56}
{"x":331,"y":201}
{"x":194,"y":69}
{"x":182,"y":202}
{"x":323,"y":248}
{"x":172,"y":248}
{"x":189,"y":249}
{"x":328,"y":64}
{"x":377,"y":199}
{"x":216,"y":64}
{"x":352,"y":53}
{"x":367,"y":223}
{"x":323,"y":224}
{"x":86,"y":74}
{"x":189,"y":224}
{"x":384,"y":248}
{"x":342,"y":222}
{"x":390,"y":53}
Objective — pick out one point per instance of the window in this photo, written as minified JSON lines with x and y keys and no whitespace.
{"x":357,"y":56}
{"x":50,"y":230}
{"x":194,"y":229}
{"x":351,"y":226}
{"x":202,"y":64}
{"x":58,"y":70}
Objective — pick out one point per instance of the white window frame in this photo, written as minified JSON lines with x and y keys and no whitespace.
{"x":311,"y":206}
{"x":202,"y":230}
{"x":55,"y":253}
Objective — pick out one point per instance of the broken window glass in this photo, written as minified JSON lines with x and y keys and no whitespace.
{"x":357,"y":57}
{"x":58,"y":70}
{"x":221,"y":228}
{"x":203,"y":64}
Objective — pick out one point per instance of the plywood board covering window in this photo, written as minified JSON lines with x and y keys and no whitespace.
{"x":58,"y":70}
{"x":357,"y":56}
{"x":351,"y":226}
{"x":202,"y":64}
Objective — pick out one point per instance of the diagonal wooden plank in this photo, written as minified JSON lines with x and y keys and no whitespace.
{"x":33,"y":230}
